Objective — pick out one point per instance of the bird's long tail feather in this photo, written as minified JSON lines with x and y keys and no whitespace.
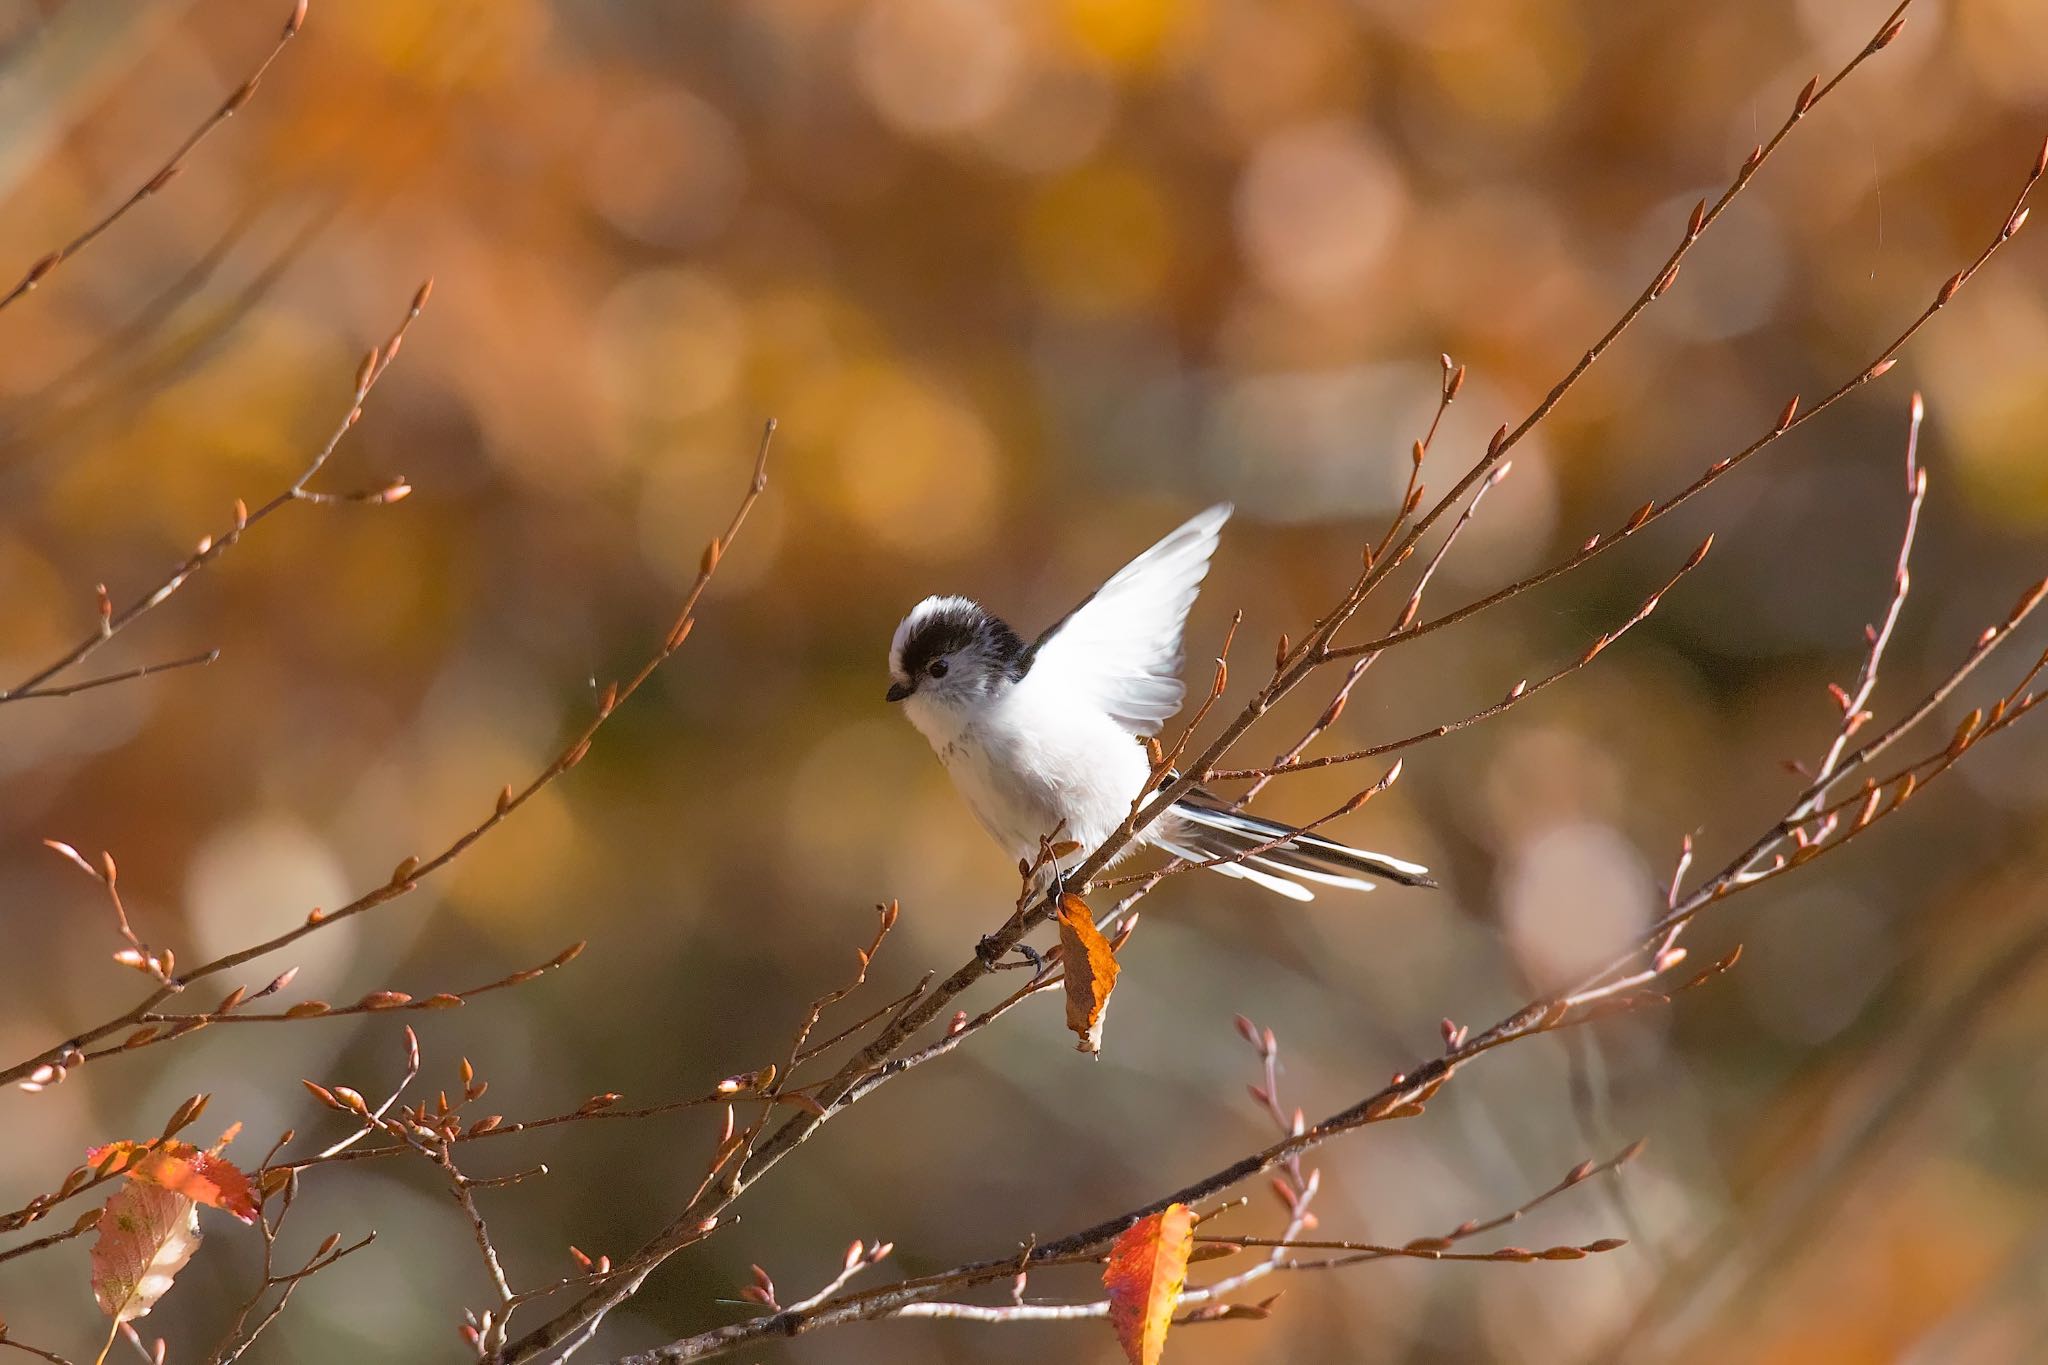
{"x":1286,"y":857}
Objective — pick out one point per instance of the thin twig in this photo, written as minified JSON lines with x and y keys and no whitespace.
{"x":408,"y":874}
{"x":113,"y":621}
{"x":165,"y":173}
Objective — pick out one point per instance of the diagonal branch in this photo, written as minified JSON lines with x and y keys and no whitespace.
{"x":408,"y":874}
{"x":165,"y":173}
{"x":112,"y":621}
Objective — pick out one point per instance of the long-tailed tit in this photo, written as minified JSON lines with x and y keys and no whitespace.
{"x":1045,"y":735}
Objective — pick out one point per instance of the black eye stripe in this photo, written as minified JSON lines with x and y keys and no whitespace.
{"x":966,"y":631}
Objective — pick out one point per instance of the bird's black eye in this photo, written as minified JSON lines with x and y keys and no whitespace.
{"x":937,"y":668}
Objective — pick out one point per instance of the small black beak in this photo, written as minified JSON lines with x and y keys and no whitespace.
{"x":898,"y":691}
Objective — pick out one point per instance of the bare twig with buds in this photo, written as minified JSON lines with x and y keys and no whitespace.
{"x":168,"y":171}
{"x":111,"y":621}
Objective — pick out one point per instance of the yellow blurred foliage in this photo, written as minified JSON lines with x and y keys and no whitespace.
{"x":1099,"y":240}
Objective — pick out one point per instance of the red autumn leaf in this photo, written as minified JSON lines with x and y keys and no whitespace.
{"x":1148,"y":1267}
{"x":1091,"y":968}
{"x":147,"y":1234}
{"x":203,"y":1177}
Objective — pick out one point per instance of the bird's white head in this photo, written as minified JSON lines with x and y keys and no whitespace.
{"x":950,"y":657}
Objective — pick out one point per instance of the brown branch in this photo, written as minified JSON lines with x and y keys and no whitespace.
{"x":237,"y":1340}
{"x":1423,"y":1246}
{"x":495,"y":1126}
{"x":885,"y":917}
{"x":1342,"y":696}
{"x":109,"y":679}
{"x":376,"y":1002}
{"x":1404,"y":1097}
{"x":407,"y":875}
{"x":1878,"y":637}
{"x":112,"y":622}
{"x":1517,"y":694}
{"x":1704,"y":216}
{"x":1789,"y":420}
{"x":1312,"y":653}
{"x":79,"y":1229}
{"x":36,"y":1351}
{"x":900,"y":1301}
{"x":165,"y":173}
{"x":491,"y":1327}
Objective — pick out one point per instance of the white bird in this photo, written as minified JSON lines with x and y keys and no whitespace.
{"x":1045,"y":736}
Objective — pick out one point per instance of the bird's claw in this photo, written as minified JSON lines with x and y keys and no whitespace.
{"x":991,"y":955}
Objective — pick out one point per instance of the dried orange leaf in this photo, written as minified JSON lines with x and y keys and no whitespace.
{"x":200,"y":1176}
{"x":1148,"y":1267}
{"x":1090,"y":968}
{"x":147,"y":1234}
{"x":115,"y":1156}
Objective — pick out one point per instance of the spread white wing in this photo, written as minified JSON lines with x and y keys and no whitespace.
{"x":1122,"y":647}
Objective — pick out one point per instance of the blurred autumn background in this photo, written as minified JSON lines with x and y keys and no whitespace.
{"x":1024,"y":285}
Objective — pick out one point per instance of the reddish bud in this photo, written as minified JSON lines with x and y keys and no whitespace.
{"x":2029,"y":599}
